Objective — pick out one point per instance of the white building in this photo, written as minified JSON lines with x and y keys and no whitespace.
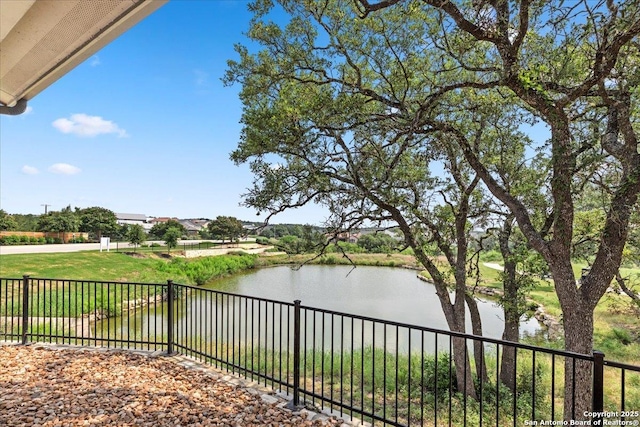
{"x":131,"y":219}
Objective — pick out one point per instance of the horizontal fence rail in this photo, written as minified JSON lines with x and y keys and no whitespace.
{"x":122,"y":246}
{"x":379,"y":371}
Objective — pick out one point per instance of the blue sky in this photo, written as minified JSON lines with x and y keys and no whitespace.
{"x":145,"y":126}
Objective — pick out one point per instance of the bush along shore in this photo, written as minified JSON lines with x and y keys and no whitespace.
{"x":553,"y":326}
{"x":617,"y":332}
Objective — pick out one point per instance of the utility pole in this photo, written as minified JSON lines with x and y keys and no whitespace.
{"x":45,"y":207}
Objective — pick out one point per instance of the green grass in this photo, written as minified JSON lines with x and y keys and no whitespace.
{"x":617,"y":332}
{"x":122,"y":267}
{"x":395,"y":385}
{"x":59,"y":299}
{"x":616,"y":321}
{"x":382,"y":260}
{"x":103,"y":266}
{"x":612,"y":314}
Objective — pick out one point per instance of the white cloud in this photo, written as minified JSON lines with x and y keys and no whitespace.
{"x":202,"y":78}
{"x":64,"y":169}
{"x":30,"y":170}
{"x":95,"y":61}
{"x":28,"y":110}
{"x":88,"y":126}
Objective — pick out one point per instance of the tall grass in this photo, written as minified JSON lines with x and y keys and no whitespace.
{"x":75,"y":298}
{"x":410,"y":388}
{"x":201,"y":270}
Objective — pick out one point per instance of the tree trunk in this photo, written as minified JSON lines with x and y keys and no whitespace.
{"x":577,"y":315}
{"x":511,"y":333}
{"x":578,"y":326}
{"x":454,"y":312}
{"x":464,"y":376}
{"x":510,"y":308}
{"x":478,"y":347}
{"x":455,"y":316}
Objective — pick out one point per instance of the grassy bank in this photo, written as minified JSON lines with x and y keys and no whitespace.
{"x":617,"y":324}
{"x":376,"y":260}
{"x":84,"y":265}
{"x":616,"y":319}
{"x":123,"y":267}
{"x":57,"y":298}
{"x":394,"y":385}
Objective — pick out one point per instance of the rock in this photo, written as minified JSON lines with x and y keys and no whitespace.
{"x":271,"y":400}
{"x":103,"y":387}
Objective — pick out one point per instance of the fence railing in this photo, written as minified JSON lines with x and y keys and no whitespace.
{"x":383,"y":372}
{"x":121,"y":246}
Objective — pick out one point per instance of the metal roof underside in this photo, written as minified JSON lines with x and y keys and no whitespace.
{"x":41,"y":40}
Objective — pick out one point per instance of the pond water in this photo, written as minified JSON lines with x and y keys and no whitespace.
{"x":391,"y":294}
{"x":394,"y":294}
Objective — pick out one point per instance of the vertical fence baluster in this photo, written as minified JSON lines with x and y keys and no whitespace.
{"x":408,"y":381}
{"x":25,"y":307}
{"x":435,"y":393}
{"x":169,"y":317}
{"x":553,"y":387}
{"x":598,"y":387}
{"x":533,"y":386}
{"x":63,"y":304}
{"x":384,"y":371}
{"x":246,"y":336}
{"x":306,"y":346}
{"x":331,"y":369}
{"x":450,"y":383}
{"x":515,"y":383}
{"x":296,"y":353}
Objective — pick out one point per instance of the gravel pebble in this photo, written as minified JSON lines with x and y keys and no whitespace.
{"x":46,"y":387}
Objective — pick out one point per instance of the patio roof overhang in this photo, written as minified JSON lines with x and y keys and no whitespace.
{"x":41,"y":40}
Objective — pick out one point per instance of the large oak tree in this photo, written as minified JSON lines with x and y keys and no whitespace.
{"x":362,"y":98}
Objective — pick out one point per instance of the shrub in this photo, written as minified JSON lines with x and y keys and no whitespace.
{"x":328,"y":260}
{"x":425,"y":377}
{"x":11,"y":240}
{"x":491,"y":256}
{"x":351,"y":248}
{"x":201,"y":270}
{"x":622,"y":335}
{"x":262,"y":240}
{"x":24,"y":239}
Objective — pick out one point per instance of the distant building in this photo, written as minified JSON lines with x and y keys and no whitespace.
{"x":161,"y":219}
{"x":193,"y":226}
{"x":345,"y":236}
{"x":132,"y":219}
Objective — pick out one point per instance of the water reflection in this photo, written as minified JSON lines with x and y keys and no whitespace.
{"x":207,"y":320}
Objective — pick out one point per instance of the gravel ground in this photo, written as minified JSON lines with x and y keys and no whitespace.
{"x":42,"y":386}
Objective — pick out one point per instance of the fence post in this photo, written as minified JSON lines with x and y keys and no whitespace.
{"x":25,"y":307}
{"x":598,"y":387}
{"x":296,"y":355}
{"x":170,"y":317}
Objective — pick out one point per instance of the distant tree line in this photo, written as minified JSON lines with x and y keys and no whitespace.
{"x":95,"y":220}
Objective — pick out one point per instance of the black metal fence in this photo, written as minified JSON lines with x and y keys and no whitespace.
{"x":383,"y":372}
{"x":120,"y":246}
